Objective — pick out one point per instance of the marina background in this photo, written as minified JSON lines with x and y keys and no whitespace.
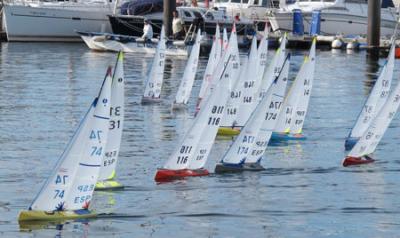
{"x":305,"y":192}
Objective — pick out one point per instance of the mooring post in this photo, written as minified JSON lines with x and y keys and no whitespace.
{"x":1,"y":15}
{"x":374,"y":26}
{"x":169,"y":7}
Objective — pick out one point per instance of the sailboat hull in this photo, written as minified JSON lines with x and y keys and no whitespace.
{"x":350,"y":142}
{"x":285,"y":136}
{"x":150,"y":100}
{"x":227,"y":131}
{"x":351,"y":161}
{"x":179,"y":106}
{"x":165,"y":175}
{"x":237,"y":168}
{"x":56,"y":215}
{"x":108,"y":185}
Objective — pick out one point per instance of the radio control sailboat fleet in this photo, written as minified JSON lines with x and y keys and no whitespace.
{"x":249,"y":146}
{"x":189,"y":158}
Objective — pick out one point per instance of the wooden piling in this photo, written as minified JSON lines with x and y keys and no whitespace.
{"x":374,"y":27}
{"x":169,"y":7}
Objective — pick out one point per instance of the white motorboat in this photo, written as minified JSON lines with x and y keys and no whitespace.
{"x":253,"y":9}
{"x":55,"y":21}
{"x":130,"y":44}
{"x":337,"y":17}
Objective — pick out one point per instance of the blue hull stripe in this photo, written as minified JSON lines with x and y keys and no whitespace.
{"x":106,"y":118}
{"x":90,"y":165}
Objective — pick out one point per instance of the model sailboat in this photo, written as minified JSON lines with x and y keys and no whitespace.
{"x":186,"y":85}
{"x":192,"y":153}
{"x":362,"y":150}
{"x":252,"y":82}
{"x":232,"y":45}
{"x":273,"y":69}
{"x":106,"y":178}
{"x":155,"y":79}
{"x":295,"y":107}
{"x":253,"y":138}
{"x":248,"y":72}
{"x":214,"y":57}
{"x":69,"y":189}
{"x":375,"y":101}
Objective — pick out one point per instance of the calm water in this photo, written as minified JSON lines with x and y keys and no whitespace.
{"x":46,"y":88}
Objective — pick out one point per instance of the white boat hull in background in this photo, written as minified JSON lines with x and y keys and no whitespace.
{"x":26,"y":23}
{"x":353,"y":21}
{"x":100,"y":43}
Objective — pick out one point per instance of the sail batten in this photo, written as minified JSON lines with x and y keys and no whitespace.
{"x":71,"y":185}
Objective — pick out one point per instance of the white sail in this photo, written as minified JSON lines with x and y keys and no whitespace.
{"x":262,"y":54}
{"x":271,"y":116}
{"x":371,"y":137}
{"x":295,"y":104}
{"x":243,"y":144}
{"x":107,"y":170}
{"x":229,"y":119}
{"x":235,"y":96}
{"x":273,"y":69}
{"x":213,"y":59}
{"x":71,"y":185}
{"x":185,"y":87}
{"x":156,"y":76}
{"x":377,"y":97}
{"x":307,"y":76}
{"x":217,"y":106}
{"x":203,"y":129}
{"x":224,"y":41}
{"x":248,"y":86}
{"x":233,"y":56}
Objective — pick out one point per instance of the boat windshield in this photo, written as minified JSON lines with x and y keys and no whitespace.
{"x":232,"y":1}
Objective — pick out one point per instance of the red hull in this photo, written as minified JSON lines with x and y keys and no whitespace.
{"x":164,"y":175}
{"x":349,"y":161}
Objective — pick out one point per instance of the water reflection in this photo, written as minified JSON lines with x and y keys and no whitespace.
{"x":372,"y":70}
{"x":45,"y":89}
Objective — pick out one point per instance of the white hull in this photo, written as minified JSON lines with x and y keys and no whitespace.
{"x":350,"y":22}
{"x":96,"y":43}
{"x":26,"y":23}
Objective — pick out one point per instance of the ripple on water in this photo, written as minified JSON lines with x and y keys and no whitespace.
{"x":46,"y":88}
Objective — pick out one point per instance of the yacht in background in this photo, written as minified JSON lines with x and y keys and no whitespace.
{"x":55,"y":20}
{"x":253,"y":9}
{"x":337,"y":17}
{"x":193,"y":17}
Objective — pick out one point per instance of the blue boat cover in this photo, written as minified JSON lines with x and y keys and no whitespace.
{"x":387,"y":3}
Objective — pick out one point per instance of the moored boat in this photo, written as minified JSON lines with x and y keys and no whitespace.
{"x":351,"y":15}
{"x":129,"y":44}
{"x":205,"y":18}
{"x":55,"y":20}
